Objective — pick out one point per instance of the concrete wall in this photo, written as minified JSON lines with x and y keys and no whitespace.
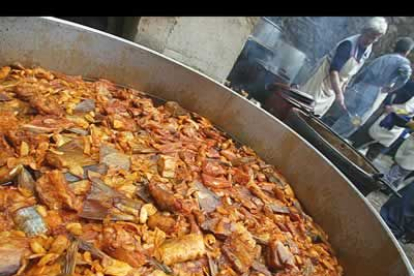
{"x":208,"y":44}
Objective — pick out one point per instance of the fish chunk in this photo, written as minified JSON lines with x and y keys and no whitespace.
{"x":54,"y":191}
{"x":186,"y":248}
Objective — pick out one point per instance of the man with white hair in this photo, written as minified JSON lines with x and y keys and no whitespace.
{"x":330,"y":77}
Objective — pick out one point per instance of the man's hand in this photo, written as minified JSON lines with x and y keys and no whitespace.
{"x":410,"y":125}
{"x":388,"y":109}
{"x":341,"y":100}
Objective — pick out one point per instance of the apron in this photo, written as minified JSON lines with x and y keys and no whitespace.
{"x":405,"y":154}
{"x":388,"y":137}
{"x":382,"y":135}
{"x":319,"y":84}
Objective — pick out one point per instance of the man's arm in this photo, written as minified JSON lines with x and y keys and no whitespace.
{"x":342,"y":55}
{"x":334,"y":76}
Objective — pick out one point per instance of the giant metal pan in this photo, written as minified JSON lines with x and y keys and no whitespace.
{"x":363,"y":243}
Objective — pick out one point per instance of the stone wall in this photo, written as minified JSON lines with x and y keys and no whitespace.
{"x":315,"y":36}
{"x":398,"y":26}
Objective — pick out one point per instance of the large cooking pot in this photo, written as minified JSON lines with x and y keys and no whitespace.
{"x":283,"y":98}
{"x":364,"y":244}
{"x":353,"y":164}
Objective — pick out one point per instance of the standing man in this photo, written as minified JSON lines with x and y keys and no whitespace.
{"x":402,"y":96}
{"x":329,"y":79}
